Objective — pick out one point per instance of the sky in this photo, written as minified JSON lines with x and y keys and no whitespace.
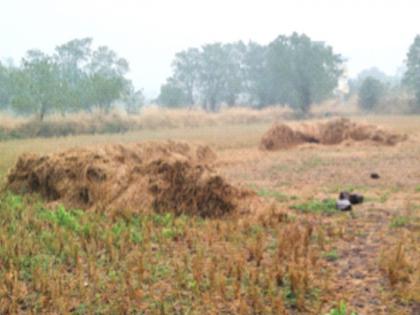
{"x":148,"y":33}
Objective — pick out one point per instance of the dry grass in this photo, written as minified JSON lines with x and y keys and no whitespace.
{"x":119,"y":122}
{"x":151,"y":118}
{"x":284,"y":260}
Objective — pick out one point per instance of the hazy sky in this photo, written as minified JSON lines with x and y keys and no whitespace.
{"x":148,"y":33}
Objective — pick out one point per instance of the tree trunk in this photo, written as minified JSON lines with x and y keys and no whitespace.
{"x":42,"y":113}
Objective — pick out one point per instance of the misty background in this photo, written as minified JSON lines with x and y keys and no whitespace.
{"x":149,"y":33}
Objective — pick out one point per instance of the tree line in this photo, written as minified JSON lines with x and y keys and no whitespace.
{"x":75,"y":77}
{"x":290,"y":70}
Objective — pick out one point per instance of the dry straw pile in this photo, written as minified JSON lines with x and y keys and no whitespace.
{"x":169,"y":176}
{"x":282,"y":136}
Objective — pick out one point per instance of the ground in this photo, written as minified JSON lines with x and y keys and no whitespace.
{"x":296,"y":255}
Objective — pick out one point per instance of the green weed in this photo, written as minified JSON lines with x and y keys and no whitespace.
{"x":399,"y":221}
{"x":326,"y":206}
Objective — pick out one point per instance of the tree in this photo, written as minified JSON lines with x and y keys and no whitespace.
{"x":217,"y":74}
{"x":133,"y":100}
{"x":234,"y":72}
{"x":186,"y":66}
{"x":72,"y":59}
{"x":412,"y":75}
{"x":257,"y":83}
{"x":370,"y":93}
{"x":106,"y":80}
{"x":302,"y":71}
{"x":171,"y":94}
{"x":37,"y":85}
{"x":4,"y":87}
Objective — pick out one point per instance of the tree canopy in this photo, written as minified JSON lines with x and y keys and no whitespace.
{"x":75,"y":77}
{"x":291,"y":70}
{"x":370,"y":93}
{"x":412,"y":75}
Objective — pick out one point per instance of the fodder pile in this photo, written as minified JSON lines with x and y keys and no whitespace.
{"x":282,"y":136}
{"x":169,"y":176}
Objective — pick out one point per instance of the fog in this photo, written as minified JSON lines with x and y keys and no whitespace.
{"x":149,"y":33}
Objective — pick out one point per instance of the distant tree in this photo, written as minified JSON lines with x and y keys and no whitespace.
{"x":72,"y":59}
{"x":133,"y":100}
{"x":302,"y":71}
{"x":37,"y":85}
{"x":213,"y":74}
{"x":257,"y":83}
{"x":370,"y":93}
{"x":5,"y":93}
{"x":375,"y":73}
{"x":186,"y":66}
{"x":171,"y":94}
{"x":412,"y":75}
{"x":221,"y":74}
{"x":106,"y":80}
{"x":234,"y":74}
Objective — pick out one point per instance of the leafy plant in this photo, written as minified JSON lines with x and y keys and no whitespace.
{"x":340,"y":310}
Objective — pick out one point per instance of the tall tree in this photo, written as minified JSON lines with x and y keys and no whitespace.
{"x":234,"y":72}
{"x":302,"y":71}
{"x":257,"y":83}
{"x":412,"y":75}
{"x":5,"y":92}
{"x":186,"y":67}
{"x":72,"y":59}
{"x":106,"y":80}
{"x":212,"y":68}
{"x":38,"y":85}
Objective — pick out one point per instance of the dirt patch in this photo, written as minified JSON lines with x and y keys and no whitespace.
{"x":282,"y":136}
{"x":169,"y":176}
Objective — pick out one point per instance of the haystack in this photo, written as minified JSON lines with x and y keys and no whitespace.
{"x":169,"y":176}
{"x":282,"y":136}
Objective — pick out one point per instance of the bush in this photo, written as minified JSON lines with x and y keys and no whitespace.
{"x":370,"y":93}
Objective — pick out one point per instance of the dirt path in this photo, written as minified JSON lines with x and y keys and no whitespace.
{"x":359,"y":279}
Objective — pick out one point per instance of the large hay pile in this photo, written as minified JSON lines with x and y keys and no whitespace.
{"x":170,"y":176}
{"x":282,"y":136}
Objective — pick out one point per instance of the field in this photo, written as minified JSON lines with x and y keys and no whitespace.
{"x":296,"y":255}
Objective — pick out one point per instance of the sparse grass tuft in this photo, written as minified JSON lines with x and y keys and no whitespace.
{"x":399,"y":221}
{"x":332,"y":255}
{"x":277,"y":195}
{"x":341,"y":309}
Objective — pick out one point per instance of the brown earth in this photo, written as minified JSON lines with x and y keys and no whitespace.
{"x":282,"y":136}
{"x":168,"y":176}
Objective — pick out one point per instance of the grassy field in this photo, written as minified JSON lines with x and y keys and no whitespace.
{"x":297,"y":255}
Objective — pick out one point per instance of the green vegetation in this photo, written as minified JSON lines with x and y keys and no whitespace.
{"x":71,"y":261}
{"x":277,"y":195}
{"x":340,"y":310}
{"x":74,"y":78}
{"x":370,"y":93}
{"x":332,"y":255}
{"x":290,"y":70}
{"x":326,"y":206}
{"x":399,"y":221}
{"x":412,"y":75}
